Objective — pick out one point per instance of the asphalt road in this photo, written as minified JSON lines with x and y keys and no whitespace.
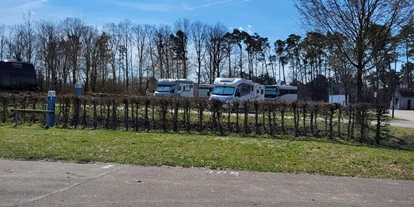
{"x":35,"y":183}
{"x":406,"y":116}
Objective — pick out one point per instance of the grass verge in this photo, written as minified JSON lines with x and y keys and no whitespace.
{"x":219,"y":152}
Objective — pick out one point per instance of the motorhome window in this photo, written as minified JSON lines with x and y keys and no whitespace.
{"x":17,"y":65}
{"x":164,"y":88}
{"x":179,"y":88}
{"x":223,"y":90}
{"x":261,"y":91}
{"x":270,"y":92}
{"x":287,"y":91}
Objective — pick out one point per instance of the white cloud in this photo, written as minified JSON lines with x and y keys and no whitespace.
{"x":189,"y":8}
{"x":13,"y":12}
{"x":30,"y":5}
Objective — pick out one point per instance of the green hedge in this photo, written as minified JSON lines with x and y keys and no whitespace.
{"x":361,"y":122}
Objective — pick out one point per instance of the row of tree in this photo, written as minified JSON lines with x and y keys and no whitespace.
{"x":356,"y":50}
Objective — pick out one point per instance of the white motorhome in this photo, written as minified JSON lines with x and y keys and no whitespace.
{"x":204,"y":90}
{"x":175,"y":87}
{"x":281,"y":93}
{"x":236,"y":89}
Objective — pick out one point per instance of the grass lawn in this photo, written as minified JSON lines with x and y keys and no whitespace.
{"x":282,"y":154}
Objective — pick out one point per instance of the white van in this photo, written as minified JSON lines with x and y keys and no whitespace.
{"x":236,"y":89}
{"x":175,"y":87}
{"x":281,"y":93}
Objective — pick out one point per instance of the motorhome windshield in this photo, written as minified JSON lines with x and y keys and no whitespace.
{"x":223,"y":90}
{"x":164,"y":88}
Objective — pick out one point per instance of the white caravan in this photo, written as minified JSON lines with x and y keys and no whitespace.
{"x":175,"y":87}
{"x":236,"y":89}
{"x":281,"y":93}
{"x":204,"y":90}
{"x":259,"y":92}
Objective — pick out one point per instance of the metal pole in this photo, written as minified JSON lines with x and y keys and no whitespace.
{"x":393,"y":103}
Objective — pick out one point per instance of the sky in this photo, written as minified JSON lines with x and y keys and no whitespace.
{"x":274,"y":19}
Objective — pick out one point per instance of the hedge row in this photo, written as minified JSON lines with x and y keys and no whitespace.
{"x":361,"y":122}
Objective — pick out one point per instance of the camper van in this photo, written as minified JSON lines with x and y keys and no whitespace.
{"x":281,"y":93}
{"x":175,"y":87}
{"x":16,"y":76}
{"x":236,"y":89}
{"x":204,"y":90}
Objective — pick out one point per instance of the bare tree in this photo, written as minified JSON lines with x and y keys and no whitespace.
{"x":161,"y":40}
{"x":178,"y":46}
{"x":100,"y":61}
{"x":125,"y":28}
{"x":152,"y":50}
{"x":48,"y":37}
{"x":89,"y":50}
{"x":199,"y":35}
{"x":111,"y":30}
{"x":182,"y":27}
{"x":3,"y":41}
{"x":29,"y":36}
{"x":142,"y":37}
{"x":216,"y":48}
{"x":73,"y":28}
{"x":22,"y":39}
{"x":16,"y":42}
{"x":353,"y":19}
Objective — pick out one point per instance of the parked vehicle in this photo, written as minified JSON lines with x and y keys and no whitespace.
{"x":259,"y":92}
{"x":236,"y":89}
{"x":204,"y":90}
{"x":16,"y":76}
{"x":281,"y":93}
{"x":175,"y":87}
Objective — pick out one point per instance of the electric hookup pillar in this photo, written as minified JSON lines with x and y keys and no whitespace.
{"x":78,"y":89}
{"x":51,"y":100}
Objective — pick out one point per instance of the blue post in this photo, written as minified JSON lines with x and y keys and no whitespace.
{"x":78,"y":89}
{"x":51,"y":100}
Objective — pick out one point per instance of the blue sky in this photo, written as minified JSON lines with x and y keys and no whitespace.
{"x":275,"y":19}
